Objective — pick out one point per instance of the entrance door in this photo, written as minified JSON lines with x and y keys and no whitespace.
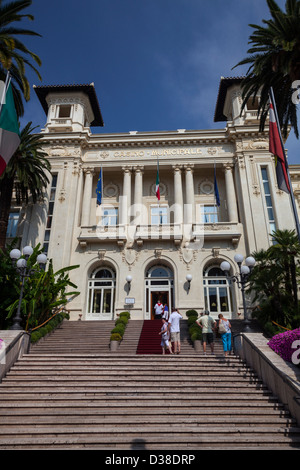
{"x":155,"y":296}
{"x":158,"y":283}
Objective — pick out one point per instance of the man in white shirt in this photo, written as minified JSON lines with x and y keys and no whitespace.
{"x":158,"y":309}
{"x":174,"y":327}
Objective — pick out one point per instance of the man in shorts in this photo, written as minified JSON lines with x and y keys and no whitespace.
{"x":174,"y":327}
{"x":207,"y":323}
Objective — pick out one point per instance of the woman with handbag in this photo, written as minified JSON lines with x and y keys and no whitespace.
{"x":224,"y":328}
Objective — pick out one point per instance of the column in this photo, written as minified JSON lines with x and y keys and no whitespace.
{"x":189,"y":195}
{"x":87,"y":196}
{"x":178,"y":198}
{"x":126,"y":196}
{"x":230,"y":193}
{"x":138,"y":195}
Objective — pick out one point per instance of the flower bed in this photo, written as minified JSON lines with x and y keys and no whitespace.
{"x":282,"y":343}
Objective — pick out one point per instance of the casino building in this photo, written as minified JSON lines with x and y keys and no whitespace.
{"x":134,"y":249}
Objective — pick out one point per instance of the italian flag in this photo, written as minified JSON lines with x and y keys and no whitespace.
{"x":157,"y":183}
{"x":277,"y":149}
{"x":9,"y":127}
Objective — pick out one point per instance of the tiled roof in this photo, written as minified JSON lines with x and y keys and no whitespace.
{"x":225,"y":83}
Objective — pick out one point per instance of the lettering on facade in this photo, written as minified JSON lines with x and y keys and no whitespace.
{"x":158,"y":152}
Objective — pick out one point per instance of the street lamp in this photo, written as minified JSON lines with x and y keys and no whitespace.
{"x":241,"y":278}
{"x":24,"y":271}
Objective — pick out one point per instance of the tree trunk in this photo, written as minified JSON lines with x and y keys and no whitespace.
{"x":6,"y":191}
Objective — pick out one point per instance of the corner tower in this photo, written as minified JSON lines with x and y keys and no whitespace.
{"x":69,"y":108}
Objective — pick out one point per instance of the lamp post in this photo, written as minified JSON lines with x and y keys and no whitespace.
{"x":241,"y":278}
{"x":24,"y":272}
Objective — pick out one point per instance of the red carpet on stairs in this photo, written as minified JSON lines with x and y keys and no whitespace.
{"x":150,"y":340}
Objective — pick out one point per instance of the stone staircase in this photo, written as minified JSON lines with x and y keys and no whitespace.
{"x":71,"y":337}
{"x":57,"y":398}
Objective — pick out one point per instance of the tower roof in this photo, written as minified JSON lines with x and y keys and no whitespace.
{"x":43,"y":91}
{"x":225,"y":83}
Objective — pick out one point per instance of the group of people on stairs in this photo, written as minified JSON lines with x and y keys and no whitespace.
{"x":171,"y":329}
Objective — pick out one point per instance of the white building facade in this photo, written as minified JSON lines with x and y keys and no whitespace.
{"x":133,"y":249}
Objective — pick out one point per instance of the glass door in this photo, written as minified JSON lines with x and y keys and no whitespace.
{"x":217,"y":292}
{"x":100,"y":302}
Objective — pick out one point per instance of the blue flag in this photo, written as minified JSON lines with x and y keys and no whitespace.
{"x":216,"y":190}
{"x":99,"y":188}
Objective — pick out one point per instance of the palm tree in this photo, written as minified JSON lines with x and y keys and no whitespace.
{"x":273,"y":281}
{"x":26,"y":173}
{"x":275,"y":62}
{"x":286,"y":250}
{"x":14,"y":55}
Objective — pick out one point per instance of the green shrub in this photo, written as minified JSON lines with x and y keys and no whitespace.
{"x":196,"y":335}
{"x":195,"y":330}
{"x":115,"y":337}
{"x":192,"y":319}
{"x":125,"y":314}
{"x":120,"y":328}
{"x":35,"y":336}
{"x":192,"y":313}
{"x":122,"y":320}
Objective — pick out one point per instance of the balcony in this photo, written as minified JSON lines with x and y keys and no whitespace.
{"x":221,"y":231}
{"x":60,"y":125}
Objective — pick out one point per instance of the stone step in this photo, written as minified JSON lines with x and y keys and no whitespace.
{"x":139,"y":430}
{"x":119,"y":401}
{"x":55,"y":399}
{"x":261,"y":410}
{"x":160,"y":440}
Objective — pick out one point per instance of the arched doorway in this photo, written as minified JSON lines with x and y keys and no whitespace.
{"x":217,"y":292}
{"x":159,"y":281}
{"x":101,"y":294}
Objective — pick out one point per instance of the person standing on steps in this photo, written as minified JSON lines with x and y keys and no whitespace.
{"x":164,"y":332}
{"x":174,"y":327}
{"x":166,"y":312}
{"x":224,"y":328}
{"x":208,"y":324}
{"x":158,"y":310}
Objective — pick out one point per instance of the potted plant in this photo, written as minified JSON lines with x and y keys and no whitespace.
{"x":115,"y":339}
{"x":196,"y":337}
{"x":118,"y":331}
{"x":194,"y":329}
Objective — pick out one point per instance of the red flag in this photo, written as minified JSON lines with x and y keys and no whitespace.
{"x":157,"y":191}
{"x":275,"y":147}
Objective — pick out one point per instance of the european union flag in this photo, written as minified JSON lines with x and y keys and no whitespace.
{"x":99,"y":188}
{"x":216,"y":190}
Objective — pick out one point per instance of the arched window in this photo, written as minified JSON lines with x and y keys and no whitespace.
{"x":159,"y":271}
{"x":101,"y":294}
{"x":217,"y":292}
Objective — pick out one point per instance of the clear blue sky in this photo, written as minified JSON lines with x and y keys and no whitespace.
{"x":156,"y":64}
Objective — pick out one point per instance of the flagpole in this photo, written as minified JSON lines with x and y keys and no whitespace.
{"x":216,"y":203}
{"x":101,"y":183}
{"x":287,"y":167}
{"x":157,"y":198}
